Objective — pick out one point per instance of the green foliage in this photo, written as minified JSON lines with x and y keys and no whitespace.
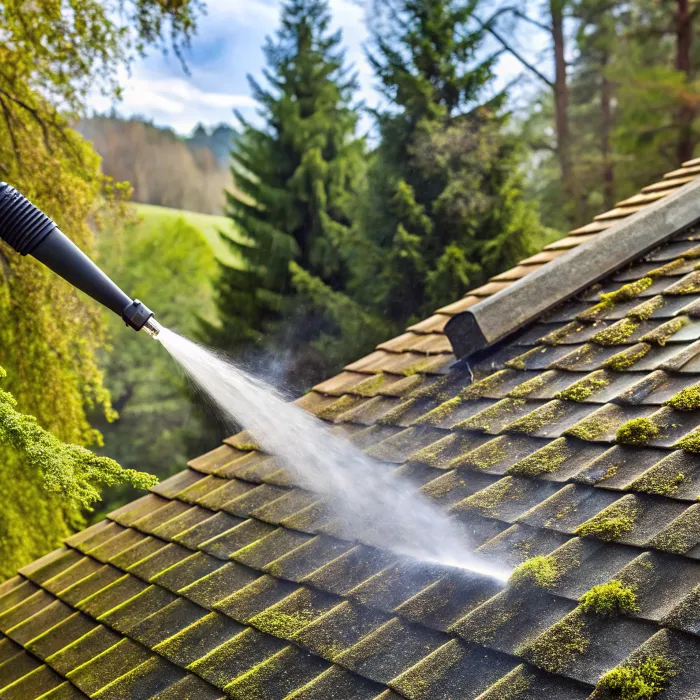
{"x":52,"y":54}
{"x":294,"y":177}
{"x":71,"y":472}
{"x":641,"y":680}
{"x":209,"y":226}
{"x":443,"y":207}
{"x":169,"y":263}
{"x":609,"y":599}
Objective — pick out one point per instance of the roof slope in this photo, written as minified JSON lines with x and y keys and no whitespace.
{"x":227,"y":580}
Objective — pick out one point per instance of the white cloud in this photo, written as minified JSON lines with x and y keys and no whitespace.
{"x":174,"y":102}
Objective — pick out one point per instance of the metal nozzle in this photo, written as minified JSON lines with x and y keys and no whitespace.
{"x":30,"y":232}
{"x":152,"y":327}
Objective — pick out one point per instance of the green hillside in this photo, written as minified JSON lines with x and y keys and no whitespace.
{"x":208,"y":224}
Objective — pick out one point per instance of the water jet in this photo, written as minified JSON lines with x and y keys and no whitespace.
{"x":365,"y":500}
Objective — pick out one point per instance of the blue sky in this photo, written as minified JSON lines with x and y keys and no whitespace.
{"x":225,"y":49}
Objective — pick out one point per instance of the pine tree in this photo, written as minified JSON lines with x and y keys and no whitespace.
{"x":294,"y":177}
{"x":445,"y":208}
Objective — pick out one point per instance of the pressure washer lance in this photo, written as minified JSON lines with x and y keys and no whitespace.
{"x":30,"y":232}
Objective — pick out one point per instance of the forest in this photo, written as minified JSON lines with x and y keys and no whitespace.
{"x":338,"y":238}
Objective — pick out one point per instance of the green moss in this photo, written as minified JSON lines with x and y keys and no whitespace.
{"x":491,"y":417}
{"x":397,"y":413}
{"x":692,"y":254}
{"x":637,"y":431}
{"x":511,"y":687}
{"x":640,"y":680}
{"x":613,"y":522}
{"x":660,"y":335}
{"x":417,"y":367}
{"x":486,"y":385}
{"x":610,"y":598}
{"x":540,"y":570}
{"x":593,"y":427}
{"x":370,"y":386}
{"x":520,"y":362}
{"x":544,"y":461}
{"x":554,"y":649}
{"x":582,"y":389}
{"x":576,"y":357}
{"x":682,"y":534}
{"x":247,"y":446}
{"x":343,"y":404}
{"x":482,"y":628}
{"x":607,"y":301}
{"x":627,"y":291}
{"x":489,"y":499}
{"x":438,"y":414}
{"x":663,"y":480}
{"x":645,"y":311}
{"x":625,"y":359}
{"x":485,"y":455}
{"x":690,"y":443}
{"x":593,"y":314}
{"x":560,"y":334}
{"x":538,"y":418}
{"x":433,"y":390}
{"x":687,"y":399}
{"x":617,"y":333}
{"x":611,"y":471}
{"x":666,"y":269}
{"x":282,"y":624}
{"x":531,"y":386}
{"x":690,"y":284}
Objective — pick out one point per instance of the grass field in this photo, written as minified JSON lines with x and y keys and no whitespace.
{"x":207,"y":224}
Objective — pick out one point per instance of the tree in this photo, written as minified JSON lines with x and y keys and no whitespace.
{"x":444,"y":206}
{"x":156,"y":412}
{"x":51,"y":55}
{"x":554,"y":27}
{"x":295,"y":175}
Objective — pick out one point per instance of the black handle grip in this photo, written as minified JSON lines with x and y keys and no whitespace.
{"x":22,"y":225}
{"x":30,"y":232}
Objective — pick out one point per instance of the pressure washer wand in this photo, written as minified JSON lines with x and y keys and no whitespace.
{"x":30,"y":232}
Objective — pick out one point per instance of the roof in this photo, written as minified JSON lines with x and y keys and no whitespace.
{"x":227,"y":581}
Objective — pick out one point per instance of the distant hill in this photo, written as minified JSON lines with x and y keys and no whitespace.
{"x":218,"y":140}
{"x":163,"y":168}
{"x":208,"y":225}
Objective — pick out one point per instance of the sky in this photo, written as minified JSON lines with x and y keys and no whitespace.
{"x":226,"y":48}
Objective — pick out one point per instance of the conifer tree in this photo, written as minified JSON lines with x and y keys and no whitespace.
{"x":293,"y":178}
{"x":445,"y":209}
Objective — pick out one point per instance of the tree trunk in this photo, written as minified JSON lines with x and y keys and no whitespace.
{"x":605,"y":146}
{"x":686,"y":114}
{"x":561,"y":101}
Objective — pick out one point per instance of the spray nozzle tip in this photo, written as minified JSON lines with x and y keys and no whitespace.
{"x":152,"y":327}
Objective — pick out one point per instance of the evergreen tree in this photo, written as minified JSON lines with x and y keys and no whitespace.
{"x":444,"y":209}
{"x":294,"y":177}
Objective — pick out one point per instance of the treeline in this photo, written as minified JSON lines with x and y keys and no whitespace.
{"x":162,"y":167}
{"x":349,"y":241}
{"x":617,"y":98}
{"x":347,"y":244}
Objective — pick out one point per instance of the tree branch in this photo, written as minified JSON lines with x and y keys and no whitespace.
{"x":513,"y":52}
{"x":518,"y":13}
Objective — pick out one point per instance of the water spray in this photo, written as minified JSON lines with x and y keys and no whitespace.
{"x":29,"y":231}
{"x":366,"y":500}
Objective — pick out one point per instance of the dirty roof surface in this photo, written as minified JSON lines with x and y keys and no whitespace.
{"x":575,"y":450}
